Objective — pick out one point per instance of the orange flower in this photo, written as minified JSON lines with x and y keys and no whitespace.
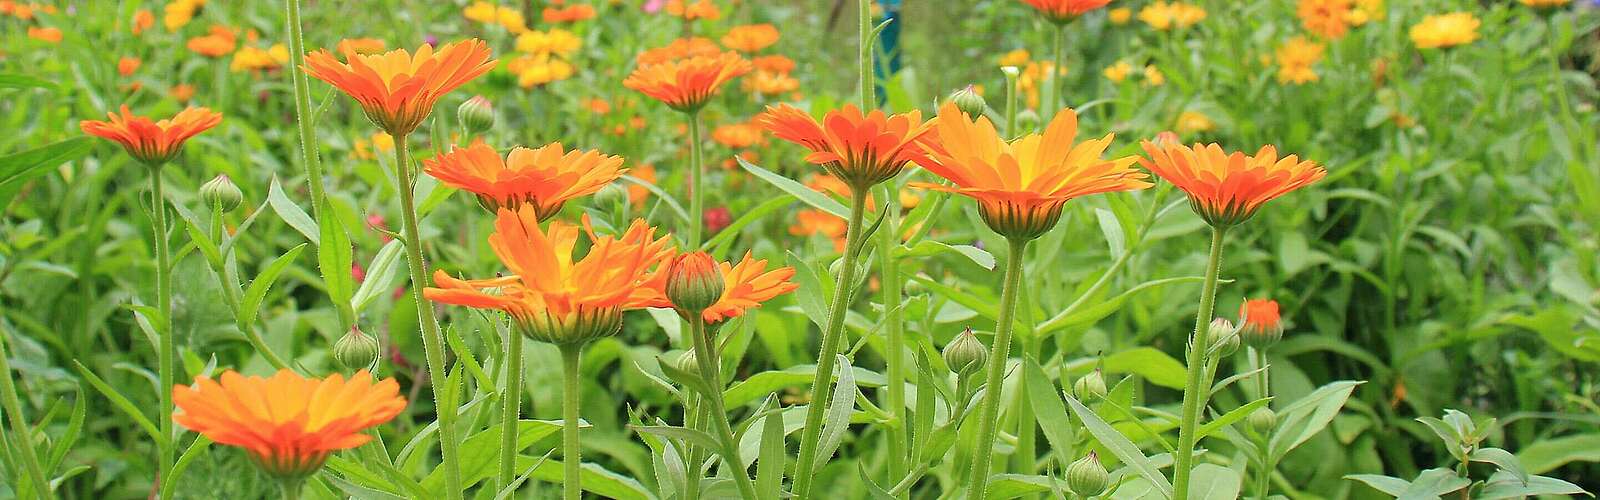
{"x":698,"y":9}
{"x":774,"y":64}
{"x":143,"y":20}
{"x":396,"y":89}
{"x":1328,"y":18}
{"x":768,"y":83}
{"x":153,"y":143}
{"x":636,"y":192}
{"x":182,"y":92}
{"x":1261,"y":324}
{"x":1022,"y":185}
{"x":862,"y":150}
{"x":737,"y":135}
{"x":751,"y":37}
{"x":682,"y":48}
{"x":686,"y":85}
{"x":746,"y":285}
{"x":555,"y":297}
{"x":288,"y":424}
{"x":543,"y":178}
{"x":127,"y":65}
{"x":47,"y":35}
{"x":350,"y":46}
{"x":812,"y":221}
{"x":1061,"y":11}
{"x":570,"y":14}
{"x":218,"y":42}
{"x":1445,"y":30}
{"x":1227,"y":188}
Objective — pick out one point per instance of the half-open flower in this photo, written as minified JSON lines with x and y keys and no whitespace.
{"x":1260,"y":325}
{"x":152,"y":142}
{"x":1062,"y":11}
{"x":554,"y":296}
{"x":1227,"y":188}
{"x":397,"y":89}
{"x":746,"y":285}
{"x":543,"y":178}
{"x":287,"y":424}
{"x":1021,"y":185}
{"x":860,"y":149}
{"x":686,"y":84}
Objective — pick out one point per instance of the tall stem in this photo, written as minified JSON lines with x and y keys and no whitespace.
{"x":291,"y":489}
{"x":696,"y":179}
{"x":1055,"y":73}
{"x":894,"y":340}
{"x":510,"y":405}
{"x":1193,"y":396}
{"x":19,"y":426}
{"x":166,"y":355}
{"x":864,"y":54}
{"x":822,"y":381}
{"x":302,"y":109}
{"x":571,"y":453}
{"x":711,"y":370}
{"x":995,"y":371}
{"x":432,"y":339}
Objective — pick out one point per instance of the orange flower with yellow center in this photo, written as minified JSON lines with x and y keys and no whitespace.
{"x":152,"y":142}
{"x":555,"y":297}
{"x":860,"y":149}
{"x":751,"y":37}
{"x":1328,"y":18}
{"x":360,"y":46}
{"x":1062,"y":11}
{"x":1227,"y":188}
{"x":287,"y":424}
{"x":746,"y":285}
{"x":543,"y":178}
{"x":1021,"y":185}
{"x":397,"y":89}
{"x":1445,"y":30}
{"x":686,"y":84}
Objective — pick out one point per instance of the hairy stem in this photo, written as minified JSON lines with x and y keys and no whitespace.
{"x":711,"y":370}
{"x":995,"y":371}
{"x":510,"y":405}
{"x":571,"y":453}
{"x":166,"y":357}
{"x":1194,"y":396}
{"x":696,"y":179}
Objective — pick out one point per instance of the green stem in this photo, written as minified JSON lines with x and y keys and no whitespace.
{"x":894,"y":341}
{"x":432,"y":339}
{"x":230,"y":297}
{"x":1261,"y":378}
{"x":864,"y":55}
{"x":571,"y":453}
{"x":510,"y":405}
{"x":1193,"y":395}
{"x":1011,"y":103}
{"x":19,"y":425}
{"x":995,"y":371}
{"x":165,"y":357}
{"x":711,"y":370}
{"x":291,"y":489}
{"x":696,"y":179}
{"x":302,"y":109}
{"x":822,"y":381}
{"x":1060,"y":60}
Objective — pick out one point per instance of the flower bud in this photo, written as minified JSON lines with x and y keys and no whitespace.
{"x":220,"y":192}
{"x":614,"y":194}
{"x":1262,"y":326}
{"x":1027,"y":119}
{"x":965,"y":354}
{"x":356,"y":350}
{"x":1224,"y":340}
{"x":1086,"y":477}
{"x":969,"y":102}
{"x":694,"y":282}
{"x":1263,"y":420}
{"x":1090,"y":387}
{"x":476,"y":115}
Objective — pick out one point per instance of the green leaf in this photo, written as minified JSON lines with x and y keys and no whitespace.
{"x":805,"y":194}
{"x":1547,"y":454}
{"x":770,"y":465}
{"x":1230,"y":417}
{"x":928,"y":248}
{"x":759,"y":385}
{"x":1048,"y":410}
{"x":1502,"y":459}
{"x":335,"y":258}
{"x":812,"y":294}
{"x":1433,"y":484}
{"x":688,"y":379}
{"x":122,"y":403}
{"x":1504,"y":485}
{"x":1300,"y":420}
{"x":1112,"y":229}
{"x":1105,"y":308}
{"x":292,"y":214}
{"x":380,"y":275}
{"x":251,"y":305}
{"x":1150,"y":363}
{"x":22,"y":167}
{"x":1451,"y":437}
{"x":1391,"y":486}
{"x":1007,"y":486}
{"x":20,"y":81}
{"x":1120,"y":447}
{"x":694,"y":437}
{"x":1214,"y":482}
{"x":480,"y":453}
{"x":199,"y":447}
{"x":837,"y":419}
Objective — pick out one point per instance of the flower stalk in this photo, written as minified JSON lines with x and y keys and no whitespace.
{"x":696,"y":180}
{"x":710,"y":364}
{"x":167,"y":350}
{"x":571,"y":453}
{"x":1193,"y":396}
{"x":510,"y":406}
{"x":994,"y":377}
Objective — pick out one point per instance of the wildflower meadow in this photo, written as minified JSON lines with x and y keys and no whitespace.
{"x":807,"y":249}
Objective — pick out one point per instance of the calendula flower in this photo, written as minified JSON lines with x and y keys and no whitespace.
{"x":1545,"y":4}
{"x":554,"y":296}
{"x":691,"y":10}
{"x":142,"y":20}
{"x":536,"y":70}
{"x":1153,"y":76}
{"x":775,"y":64}
{"x":1194,"y":122}
{"x":1118,"y":72}
{"x":638,"y":193}
{"x":568,"y":14}
{"x":287,"y":424}
{"x":746,"y":285}
{"x":1018,"y":58}
{"x":178,"y":13}
{"x":750,"y":37}
{"x":1327,"y":18}
{"x":1445,"y":30}
{"x":812,"y":221}
{"x":127,"y":65}
{"x":1022,"y":185}
{"x":218,"y":42}
{"x":259,"y":59}
{"x":1226,"y":188}
{"x":1119,"y":16}
{"x":860,"y":149}
{"x":556,"y":41}
{"x":1163,"y":15}
{"x":1295,"y":58}
{"x":1062,"y":11}
{"x":1261,"y":325}
{"x":397,"y":89}
{"x":152,"y":142}
{"x":681,"y":48}
{"x":769,"y":83}
{"x":542,"y":179}
{"x":686,"y":84}
{"x":737,"y":135}
{"x":46,"y":34}
{"x":182,"y":92}
{"x":350,"y":46}
{"x":1365,"y":11}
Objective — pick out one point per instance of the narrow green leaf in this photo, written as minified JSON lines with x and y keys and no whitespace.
{"x":805,"y":194}
{"x":122,"y":403}
{"x":837,"y":419}
{"x":380,"y":275}
{"x":770,"y":465}
{"x":257,"y":292}
{"x":20,"y":167}
{"x":1120,"y":446}
{"x":1049,"y":412}
{"x":292,"y":214}
{"x":1229,"y":418}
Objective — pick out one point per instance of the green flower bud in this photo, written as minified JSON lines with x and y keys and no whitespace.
{"x":1086,"y":477}
{"x":1224,"y":340}
{"x":356,"y":350}
{"x":694,"y":282}
{"x":221,"y":192}
{"x":969,"y":102}
{"x":965,"y":354}
{"x":1263,"y":420}
{"x":476,"y":115}
{"x":612,"y":195}
{"x":1027,"y":119}
{"x":1090,"y":387}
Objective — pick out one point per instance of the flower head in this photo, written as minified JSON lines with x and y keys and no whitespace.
{"x":746,"y":285}
{"x":1163,"y":15}
{"x":286,"y":423}
{"x":554,"y":296}
{"x":860,"y":149}
{"x":686,"y":84}
{"x":1445,"y":30}
{"x":1225,"y":188}
{"x":1062,"y":11}
{"x":750,"y":37}
{"x":1021,"y":185}
{"x":1295,"y":58}
{"x":1545,"y":4}
{"x":398,"y":89}
{"x":1329,"y":19}
{"x":542,"y":179}
{"x":152,"y":142}
{"x":1260,"y":325}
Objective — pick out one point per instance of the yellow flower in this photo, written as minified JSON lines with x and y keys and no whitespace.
{"x":180,"y":12}
{"x":1445,"y":30}
{"x":1118,"y":72}
{"x":540,"y":70}
{"x":1153,"y":76}
{"x":556,"y":41}
{"x":1365,"y":11}
{"x":1120,"y":15}
{"x":1018,"y":58}
{"x":1295,"y":58}
{"x":1163,"y":15}
{"x":383,"y":142}
{"x":1193,"y":122}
